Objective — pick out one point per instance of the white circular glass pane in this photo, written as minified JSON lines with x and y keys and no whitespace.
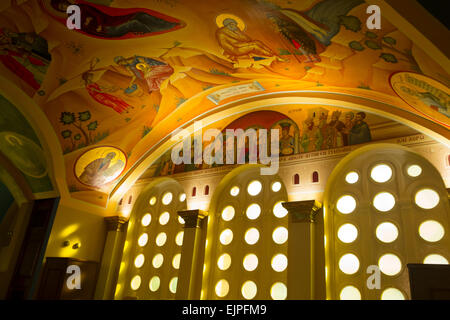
{"x":350,"y":293}
{"x":249,"y":290}
{"x":139,"y":261}
{"x":161,"y":239}
{"x":224,"y":261}
{"x":176,"y":261}
{"x":250,"y":262}
{"x":279,"y":211}
{"x":222,"y":288}
{"x":154,"y":284}
{"x":152,"y":201}
{"x":167,"y":198}
{"x":228,"y":213}
{"x":278,"y":291}
{"x":164,"y":218}
{"x":143,"y":239}
{"x":279,"y":262}
{"x":173,"y":284}
{"x":414,"y":170}
{"x":381,"y":173}
{"x":346,"y":204}
{"x":226,"y":237}
{"x":349,"y":263}
{"x":254,"y":188}
{"x":158,"y":260}
{"x":387,"y":232}
{"x":390,"y":264}
{"x":435,"y":259}
{"x":234,"y":191}
{"x":253,"y":211}
{"x":384,"y":201}
{"x":392,"y":294}
{"x":276,"y":186}
{"x":352,"y":177}
{"x":180,"y":220}
{"x":146,"y":219}
{"x":182,"y":197}
{"x":347,"y":233}
{"x":179,"y":238}
{"x":135,"y":282}
{"x":427,"y":198}
{"x":431,"y":231}
{"x":280,"y":235}
{"x":251,"y":236}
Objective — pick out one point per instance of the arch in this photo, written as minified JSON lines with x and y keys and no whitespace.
{"x":242,"y":221}
{"x":153,"y":244}
{"x":194,"y":191}
{"x":376,"y":103}
{"x":44,"y":132}
{"x":371,"y":197}
{"x":296,"y":179}
{"x":206,"y":190}
{"x":14,"y":181}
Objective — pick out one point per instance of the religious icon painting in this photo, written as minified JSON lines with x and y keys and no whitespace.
{"x":99,"y":166}
{"x":25,"y":154}
{"x":426,"y":95}
{"x":288,"y":135}
{"x":106,"y":22}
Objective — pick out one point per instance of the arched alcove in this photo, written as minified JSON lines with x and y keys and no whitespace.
{"x":246,"y":251}
{"x":385,"y":206}
{"x":152,"y":251}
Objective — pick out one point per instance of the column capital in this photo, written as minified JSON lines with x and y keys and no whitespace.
{"x":193,"y":218}
{"x":115,"y":223}
{"x":303,"y":211}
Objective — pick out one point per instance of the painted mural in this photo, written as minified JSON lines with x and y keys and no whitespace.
{"x":315,"y":129}
{"x":19,"y":143}
{"x":105,"y":22}
{"x":100,"y":166}
{"x":424,"y":94}
{"x":135,"y":72}
{"x":26,"y":56}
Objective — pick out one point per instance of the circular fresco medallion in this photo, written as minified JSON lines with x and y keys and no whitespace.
{"x":426,"y":95}
{"x":225,"y":18}
{"x":98,"y":166}
{"x":25,"y":154}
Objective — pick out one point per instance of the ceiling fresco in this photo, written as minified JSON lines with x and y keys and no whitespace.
{"x":137,"y":70}
{"x":20,"y":144}
{"x":302,"y":130}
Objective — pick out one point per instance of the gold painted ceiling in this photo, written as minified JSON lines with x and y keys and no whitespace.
{"x":138,"y":70}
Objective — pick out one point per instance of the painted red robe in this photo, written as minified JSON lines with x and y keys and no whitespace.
{"x":17,"y":68}
{"x":106,"y":99}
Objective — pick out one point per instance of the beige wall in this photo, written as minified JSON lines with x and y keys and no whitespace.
{"x":304,"y":164}
{"x":76,"y":225}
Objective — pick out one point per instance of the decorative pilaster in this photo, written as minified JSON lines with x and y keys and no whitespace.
{"x":115,"y":223}
{"x":303,"y":211}
{"x":112,"y":253}
{"x":301,"y":248}
{"x":192,"y":254}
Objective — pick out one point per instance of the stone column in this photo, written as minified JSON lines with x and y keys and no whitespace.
{"x":192,"y":254}
{"x":112,"y":254}
{"x":301,"y":248}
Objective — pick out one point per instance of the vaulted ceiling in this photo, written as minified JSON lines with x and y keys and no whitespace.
{"x":138,"y":70}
